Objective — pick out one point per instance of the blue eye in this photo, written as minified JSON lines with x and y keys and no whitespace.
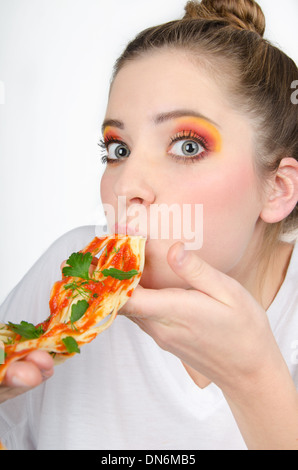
{"x":114,"y":150}
{"x":117,"y":151}
{"x":186,"y":148}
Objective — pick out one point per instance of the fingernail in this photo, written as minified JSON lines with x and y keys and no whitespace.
{"x":46,"y":374}
{"x":180,"y":254}
{"x":17,"y":382}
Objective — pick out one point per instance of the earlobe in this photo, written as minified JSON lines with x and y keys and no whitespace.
{"x":283,"y":195}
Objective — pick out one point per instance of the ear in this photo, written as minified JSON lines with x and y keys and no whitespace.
{"x":283,"y":194}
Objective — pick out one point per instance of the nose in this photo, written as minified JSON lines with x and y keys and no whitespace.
{"x":135,"y":181}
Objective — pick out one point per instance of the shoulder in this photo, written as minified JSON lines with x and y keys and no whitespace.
{"x":287,"y":296}
{"x":76,"y":238}
{"x":283,"y":316}
{"x":291,"y":279}
{"x":73,"y":240}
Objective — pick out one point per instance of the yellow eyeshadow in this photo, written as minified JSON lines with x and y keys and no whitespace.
{"x":203,"y":128}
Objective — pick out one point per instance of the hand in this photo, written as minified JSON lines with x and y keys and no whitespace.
{"x":25,"y":374}
{"x":216,"y":327}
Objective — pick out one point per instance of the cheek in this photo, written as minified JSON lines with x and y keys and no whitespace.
{"x":231,"y":207}
{"x":108,"y":200}
{"x":234,"y":192}
{"x":105,"y":188}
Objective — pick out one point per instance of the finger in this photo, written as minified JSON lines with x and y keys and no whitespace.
{"x":31,"y":371}
{"x":43,"y":361}
{"x":200,"y":275}
{"x":151,"y":304}
{"x":23,"y":374}
{"x":62,"y":265}
{"x":93,"y":265}
{"x":94,"y":261}
{"x":142,"y":303}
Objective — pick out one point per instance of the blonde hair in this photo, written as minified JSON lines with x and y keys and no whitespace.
{"x":227,"y":36}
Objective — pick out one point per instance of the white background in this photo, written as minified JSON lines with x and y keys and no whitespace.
{"x":56,"y":58}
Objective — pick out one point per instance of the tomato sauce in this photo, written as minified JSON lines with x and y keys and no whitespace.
{"x":95,"y":291}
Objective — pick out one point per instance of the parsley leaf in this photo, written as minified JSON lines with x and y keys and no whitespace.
{"x":71,"y":345}
{"x":77,"y":286}
{"x":78,"y":265}
{"x":2,"y":355}
{"x":118,"y":274}
{"x":26,"y":330}
{"x":78,"y":310}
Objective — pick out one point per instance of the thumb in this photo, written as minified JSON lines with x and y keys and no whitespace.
{"x":200,"y":275}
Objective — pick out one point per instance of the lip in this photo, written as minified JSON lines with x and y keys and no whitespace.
{"x":127,"y":230}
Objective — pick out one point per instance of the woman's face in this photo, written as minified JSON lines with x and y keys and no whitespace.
{"x":174,"y":142}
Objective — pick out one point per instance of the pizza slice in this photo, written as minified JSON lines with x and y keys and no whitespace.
{"x":83,"y":303}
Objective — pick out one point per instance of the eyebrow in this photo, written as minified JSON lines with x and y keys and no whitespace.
{"x":162,"y":117}
{"x":112,"y":123}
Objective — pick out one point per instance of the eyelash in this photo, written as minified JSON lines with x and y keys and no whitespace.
{"x":191,"y":135}
{"x":104,"y":144}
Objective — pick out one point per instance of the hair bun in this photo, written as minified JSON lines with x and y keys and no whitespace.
{"x":242,"y":14}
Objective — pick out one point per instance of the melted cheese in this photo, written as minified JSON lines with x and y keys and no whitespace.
{"x":105,"y":296}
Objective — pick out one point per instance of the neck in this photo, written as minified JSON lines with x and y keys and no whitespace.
{"x":263,"y":276}
{"x":274,"y":273}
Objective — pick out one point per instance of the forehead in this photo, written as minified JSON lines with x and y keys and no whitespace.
{"x":165,"y":80}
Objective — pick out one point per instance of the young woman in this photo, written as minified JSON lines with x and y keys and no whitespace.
{"x":199,"y":112}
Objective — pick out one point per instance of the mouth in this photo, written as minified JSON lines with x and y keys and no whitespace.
{"x":127,"y":230}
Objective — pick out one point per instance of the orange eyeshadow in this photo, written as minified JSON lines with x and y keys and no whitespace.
{"x":109,"y":133}
{"x":202,"y":128}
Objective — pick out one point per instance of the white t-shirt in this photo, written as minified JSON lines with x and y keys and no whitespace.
{"x":122,"y":391}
